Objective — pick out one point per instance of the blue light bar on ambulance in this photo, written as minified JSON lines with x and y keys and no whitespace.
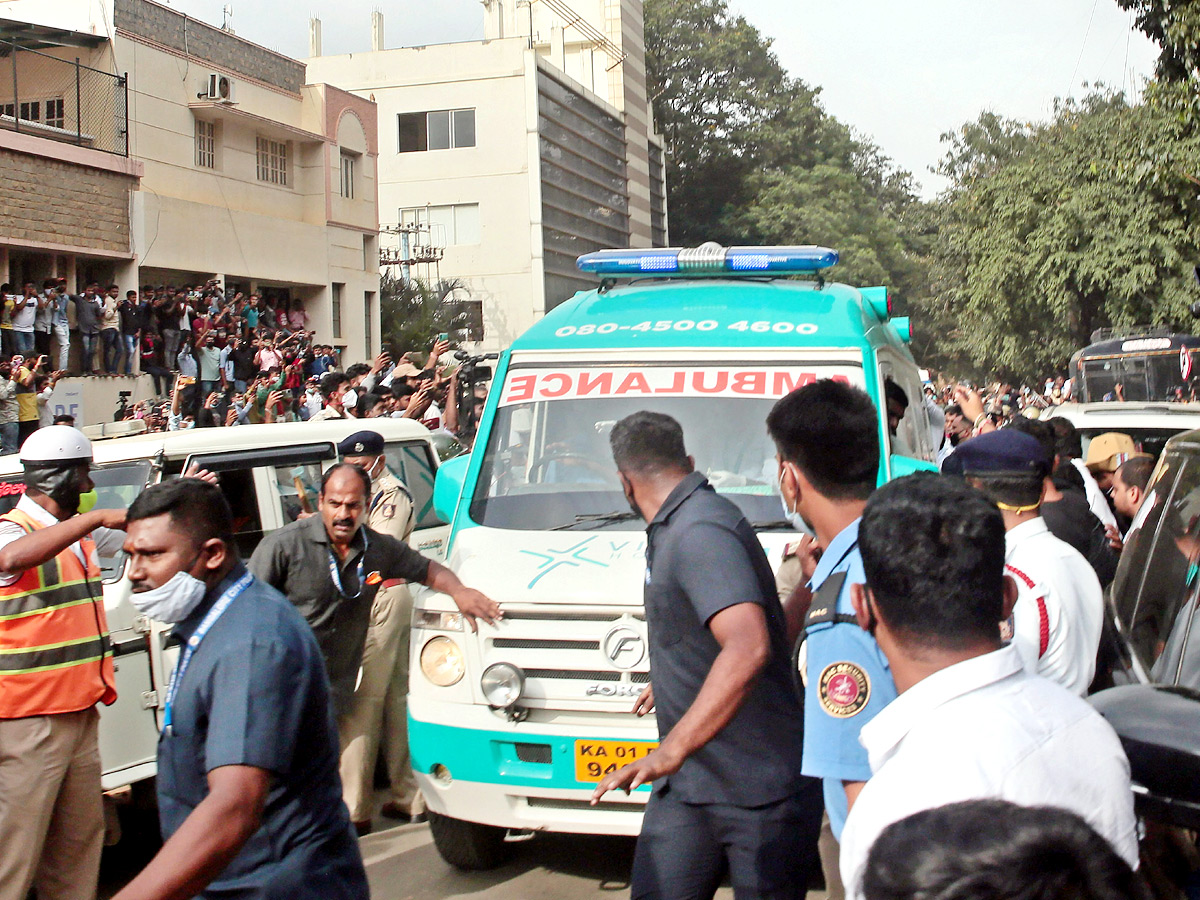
{"x":707,"y":259}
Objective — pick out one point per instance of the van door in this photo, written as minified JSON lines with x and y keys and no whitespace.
{"x":415,"y":463}
{"x":911,"y":440}
{"x":128,"y":729}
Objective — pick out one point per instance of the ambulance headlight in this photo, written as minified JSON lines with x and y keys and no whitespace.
{"x":502,"y":685}
{"x":442,"y":661}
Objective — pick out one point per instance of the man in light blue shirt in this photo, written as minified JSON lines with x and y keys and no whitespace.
{"x":827,"y":435}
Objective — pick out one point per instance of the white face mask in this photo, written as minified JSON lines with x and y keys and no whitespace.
{"x":172,"y":601}
{"x":793,"y":517}
{"x":350,"y":399}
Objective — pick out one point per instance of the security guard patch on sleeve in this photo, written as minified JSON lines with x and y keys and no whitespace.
{"x":843,"y":689}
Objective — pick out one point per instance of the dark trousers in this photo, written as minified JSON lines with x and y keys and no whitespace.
{"x":768,"y":851}
{"x":112,"y":349}
{"x":41,"y":342}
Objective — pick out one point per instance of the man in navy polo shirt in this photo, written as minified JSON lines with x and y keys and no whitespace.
{"x":728,"y":791}
{"x":249,"y":798}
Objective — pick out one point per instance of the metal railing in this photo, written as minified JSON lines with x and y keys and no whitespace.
{"x":63,"y":100}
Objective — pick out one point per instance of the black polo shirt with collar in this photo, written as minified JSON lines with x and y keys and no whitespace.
{"x":295,"y":560}
{"x":702,"y":557}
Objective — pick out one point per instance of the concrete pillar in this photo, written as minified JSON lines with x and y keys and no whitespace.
{"x":377,"y":30}
{"x":314,"y":37}
{"x":558,"y":51}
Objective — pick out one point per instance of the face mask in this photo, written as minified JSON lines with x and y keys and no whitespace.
{"x":87,"y":501}
{"x":172,"y":601}
{"x":794,"y":518}
{"x":59,"y":483}
{"x":350,"y":399}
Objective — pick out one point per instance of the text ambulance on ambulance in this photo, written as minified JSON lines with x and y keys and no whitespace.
{"x":512,"y":727}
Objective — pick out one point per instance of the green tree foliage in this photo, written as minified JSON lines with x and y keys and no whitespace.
{"x":1175,"y":26}
{"x":414,"y":312}
{"x":755,"y":159}
{"x":1051,"y":230}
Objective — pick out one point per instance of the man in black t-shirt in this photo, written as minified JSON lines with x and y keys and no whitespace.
{"x":728,"y":793}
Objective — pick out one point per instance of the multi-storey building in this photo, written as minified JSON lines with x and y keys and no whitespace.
{"x":513,"y":155}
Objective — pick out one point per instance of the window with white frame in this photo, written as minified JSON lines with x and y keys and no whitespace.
{"x":272,"y":161}
{"x":449,"y":225}
{"x":206,"y":144}
{"x":347,"y":182}
{"x":48,"y":112}
{"x":439,"y":129}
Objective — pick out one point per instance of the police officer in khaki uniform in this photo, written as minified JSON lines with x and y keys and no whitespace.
{"x":380,"y":699}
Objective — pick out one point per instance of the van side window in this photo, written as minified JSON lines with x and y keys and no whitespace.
{"x":412,"y":463}
{"x":237,"y":484}
{"x":117,"y":486}
{"x":299,"y":487}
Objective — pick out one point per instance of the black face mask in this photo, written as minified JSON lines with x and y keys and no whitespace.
{"x":62,"y":484}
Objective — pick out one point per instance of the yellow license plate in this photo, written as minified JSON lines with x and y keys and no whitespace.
{"x":595,"y":759}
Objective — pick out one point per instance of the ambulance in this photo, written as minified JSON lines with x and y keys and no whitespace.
{"x":512,"y":727}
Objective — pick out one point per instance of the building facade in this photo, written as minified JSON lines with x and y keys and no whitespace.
{"x":190,"y":153}
{"x":505,"y":159}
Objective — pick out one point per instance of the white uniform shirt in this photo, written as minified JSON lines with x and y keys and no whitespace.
{"x":1074,"y":605}
{"x":1095,"y":496}
{"x":987,"y":729}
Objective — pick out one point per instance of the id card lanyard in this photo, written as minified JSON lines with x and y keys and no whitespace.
{"x":337,"y":575}
{"x":232,"y":593}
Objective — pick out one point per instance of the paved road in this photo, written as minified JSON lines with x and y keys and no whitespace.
{"x":402,"y":864}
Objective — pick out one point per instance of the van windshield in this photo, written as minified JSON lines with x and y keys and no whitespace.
{"x":547,"y":464}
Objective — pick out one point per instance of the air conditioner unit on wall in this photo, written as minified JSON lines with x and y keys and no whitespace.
{"x":220,"y":88}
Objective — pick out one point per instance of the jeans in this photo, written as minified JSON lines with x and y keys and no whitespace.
{"x":112,"y":349}
{"x":87,"y":360}
{"x":63,"y":334}
{"x":10,"y":433}
{"x":170,"y":338}
{"x":161,"y":376}
{"x":23,"y":342}
{"x":130,"y":341}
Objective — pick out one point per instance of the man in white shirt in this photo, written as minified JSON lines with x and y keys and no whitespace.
{"x":969,"y":722}
{"x":1059,"y":611}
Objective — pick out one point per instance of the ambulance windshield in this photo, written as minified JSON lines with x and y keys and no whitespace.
{"x":548,"y":464}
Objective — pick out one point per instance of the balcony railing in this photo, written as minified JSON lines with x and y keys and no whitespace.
{"x":63,"y":100}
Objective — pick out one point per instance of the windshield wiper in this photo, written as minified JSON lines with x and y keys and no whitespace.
{"x":598,"y":519}
{"x":772,"y":525}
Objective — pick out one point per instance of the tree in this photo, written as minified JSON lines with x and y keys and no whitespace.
{"x":414,"y":312}
{"x":1051,"y":230}
{"x":755,"y":159}
{"x":1175,"y":26}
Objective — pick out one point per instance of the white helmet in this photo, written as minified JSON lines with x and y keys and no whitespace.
{"x":56,"y":445}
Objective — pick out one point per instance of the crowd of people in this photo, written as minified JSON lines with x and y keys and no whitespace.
{"x":215,"y":361}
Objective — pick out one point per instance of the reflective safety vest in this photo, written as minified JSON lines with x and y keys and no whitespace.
{"x":55,"y":655}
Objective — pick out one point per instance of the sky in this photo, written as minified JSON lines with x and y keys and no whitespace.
{"x":901,"y":72}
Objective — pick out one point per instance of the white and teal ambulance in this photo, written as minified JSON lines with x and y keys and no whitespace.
{"x":512,"y":727}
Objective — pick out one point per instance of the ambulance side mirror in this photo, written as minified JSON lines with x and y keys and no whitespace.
{"x":1159,"y":727}
{"x":448,"y":485}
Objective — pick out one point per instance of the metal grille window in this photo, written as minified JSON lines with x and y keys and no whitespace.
{"x":337,"y":309}
{"x":440,"y":129}
{"x":347,"y":176}
{"x":206,"y":144}
{"x":272,"y":161}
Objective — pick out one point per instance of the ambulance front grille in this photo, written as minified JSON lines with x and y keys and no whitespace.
{"x":573,"y":659}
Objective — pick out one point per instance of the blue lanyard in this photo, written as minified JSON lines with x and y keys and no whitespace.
{"x":231,"y":594}
{"x":337,"y":575}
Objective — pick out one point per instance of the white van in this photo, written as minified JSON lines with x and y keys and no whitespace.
{"x":270,"y":474}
